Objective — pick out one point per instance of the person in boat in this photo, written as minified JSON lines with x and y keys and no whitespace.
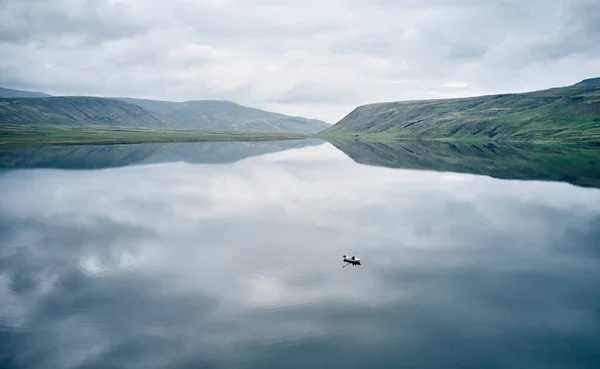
{"x":351,"y":260}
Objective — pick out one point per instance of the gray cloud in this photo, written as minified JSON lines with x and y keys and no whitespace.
{"x":312,"y":58}
{"x":85,"y":21}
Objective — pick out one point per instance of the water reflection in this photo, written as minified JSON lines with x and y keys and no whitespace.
{"x":576,"y":165}
{"x":110,"y":156}
{"x":238,"y":265}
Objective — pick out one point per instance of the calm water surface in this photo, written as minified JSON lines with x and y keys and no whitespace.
{"x":238,"y":265}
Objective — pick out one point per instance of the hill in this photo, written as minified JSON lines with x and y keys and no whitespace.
{"x":590,"y":82}
{"x":555,"y":115}
{"x":7,"y":92}
{"x":87,"y":112}
{"x":35,"y":108}
{"x":218,"y":115}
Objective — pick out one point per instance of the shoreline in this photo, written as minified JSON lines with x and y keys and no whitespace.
{"x":14,"y":137}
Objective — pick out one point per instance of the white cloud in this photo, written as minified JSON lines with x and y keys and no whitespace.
{"x":313,"y":58}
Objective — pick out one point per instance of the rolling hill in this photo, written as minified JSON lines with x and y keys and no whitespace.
{"x":228,"y":116}
{"x":80,"y":112}
{"x":7,"y":92}
{"x":36,"y":108}
{"x":555,"y":115}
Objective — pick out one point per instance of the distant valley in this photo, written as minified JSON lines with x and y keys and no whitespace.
{"x":565,"y":114}
{"x":33,"y":108}
{"x":558,"y":115}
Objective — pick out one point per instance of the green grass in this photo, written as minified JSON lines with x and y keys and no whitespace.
{"x":13,"y":136}
{"x":85,"y":111}
{"x":568,"y":114}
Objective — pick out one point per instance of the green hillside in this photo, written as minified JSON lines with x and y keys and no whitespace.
{"x":39,"y":135}
{"x":228,"y":116}
{"x":7,"y":92}
{"x":79,"y":111}
{"x":566,"y":114}
{"x":35,"y":108}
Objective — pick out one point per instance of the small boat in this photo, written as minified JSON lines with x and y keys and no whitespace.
{"x":351,"y":259}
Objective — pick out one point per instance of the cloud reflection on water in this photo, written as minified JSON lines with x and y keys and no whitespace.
{"x":188,"y":265}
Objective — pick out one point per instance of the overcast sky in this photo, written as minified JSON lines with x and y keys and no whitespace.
{"x":314,"y":58}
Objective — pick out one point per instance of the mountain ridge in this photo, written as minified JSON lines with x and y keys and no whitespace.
{"x":28,"y":108}
{"x":229,"y":115}
{"x":589,"y":82}
{"x":80,"y":111}
{"x":9,"y":92}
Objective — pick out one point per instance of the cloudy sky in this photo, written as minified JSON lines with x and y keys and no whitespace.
{"x":314,"y":58}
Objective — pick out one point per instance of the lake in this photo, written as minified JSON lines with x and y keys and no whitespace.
{"x":229,"y":255}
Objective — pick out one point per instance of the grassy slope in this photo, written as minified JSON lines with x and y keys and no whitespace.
{"x":140,"y":113}
{"x":575,"y":165}
{"x":78,"y":111}
{"x":8,"y":92}
{"x":91,"y":120}
{"x":228,"y":116}
{"x":567,"y":114}
{"x":32,"y":135}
